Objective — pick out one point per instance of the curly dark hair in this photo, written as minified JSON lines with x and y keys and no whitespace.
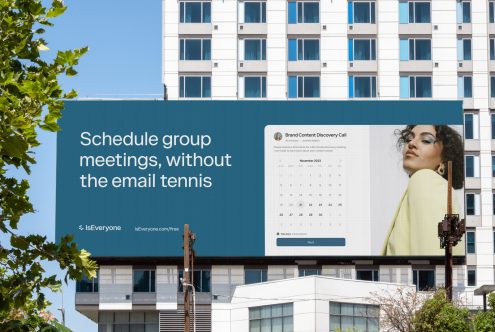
{"x":453,"y":149}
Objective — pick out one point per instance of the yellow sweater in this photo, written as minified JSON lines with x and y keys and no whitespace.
{"x":414,"y":229}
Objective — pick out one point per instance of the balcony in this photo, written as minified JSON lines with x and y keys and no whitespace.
{"x":194,"y":28}
{"x":195,"y":66}
{"x":252,"y":29}
{"x":252,"y":66}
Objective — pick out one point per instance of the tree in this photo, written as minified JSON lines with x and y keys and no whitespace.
{"x":438,"y":314}
{"x":30,"y":98}
{"x":485,"y":321}
{"x":398,"y":308}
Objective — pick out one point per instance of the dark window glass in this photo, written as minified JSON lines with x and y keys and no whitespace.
{"x":469,"y":166}
{"x":143,"y":281}
{"x":86,"y":285}
{"x":193,"y":12}
{"x":311,"y":87}
{"x":255,"y":49}
{"x":466,"y":12}
{"x":492,"y":86}
{"x":253,"y":276}
{"x":423,"y":87}
{"x":468,"y":87}
{"x":468,"y":126}
{"x":491,"y":10}
{"x":424,"y":279}
{"x":206,"y":12}
{"x":492,"y":49}
{"x":422,"y":50}
{"x":470,"y":205}
{"x":471,"y":277}
{"x":201,"y":280}
{"x":308,"y":12}
{"x":255,"y":12}
{"x":470,"y":242}
{"x":466,"y":49}
{"x":364,"y":12}
{"x":369,"y":275}
{"x":365,"y":87}
{"x":419,"y":12}
{"x":255,"y":87}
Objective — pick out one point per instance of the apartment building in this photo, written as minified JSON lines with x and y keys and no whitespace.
{"x":316,"y":50}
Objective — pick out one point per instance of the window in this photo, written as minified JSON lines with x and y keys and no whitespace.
{"x":415,"y":49}
{"x":354,"y":317}
{"x":253,"y":276}
{"x":201,"y":280}
{"x":491,"y":11}
{"x":303,"y":12}
{"x":465,"y":87}
{"x":304,"y":49}
{"x":362,"y":49}
{"x":424,"y":279}
{"x":470,"y":241}
{"x":195,"y":86}
{"x":269,"y":318}
{"x":143,"y":281}
{"x":472,"y":165}
{"x":414,"y":12}
{"x":493,"y":165}
{"x":86,"y":285}
{"x":255,"y":12}
{"x":309,"y":271}
{"x":464,"y":12}
{"x":493,"y":204}
{"x":362,"y":86}
{"x":492,"y":86}
{"x":473,"y":204}
{"x":255,"y":49}
{"x":134,"y":320}
{"x":471,"y":274}
{"x":492,"y":49}
{"x":492,"y":116}
{"x":195,"y":12}
{"x":471,"y":126}
{"x":255,"y":87}
{"x":195,"y":49}
{"x":369,"y":275}
{"x":464,"y":49}
{"x":415,"y":87}
{"x":361,"y":12}
{"x":304,"y":86}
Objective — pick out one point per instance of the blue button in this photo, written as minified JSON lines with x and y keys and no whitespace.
{"x":311,"y":242}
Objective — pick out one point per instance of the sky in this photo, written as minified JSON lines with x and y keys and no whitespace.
{"x":124,"y":61}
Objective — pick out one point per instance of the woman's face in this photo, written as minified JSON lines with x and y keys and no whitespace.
{"x":422,"y":150}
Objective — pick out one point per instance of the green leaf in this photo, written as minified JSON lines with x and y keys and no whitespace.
{"x":55,"y":11}
{"x":19,"y":242}
{"x":14,"y":146}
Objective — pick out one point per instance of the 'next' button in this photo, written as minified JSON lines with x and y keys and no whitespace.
{"x":311,"y":242}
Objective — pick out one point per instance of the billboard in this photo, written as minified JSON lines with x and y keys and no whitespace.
{"x":254,"y":179}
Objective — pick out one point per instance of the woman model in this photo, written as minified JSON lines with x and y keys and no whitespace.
{"x":426,"y":150}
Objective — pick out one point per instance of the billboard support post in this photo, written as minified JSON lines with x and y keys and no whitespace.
{"x":186,"y":280}
{"x":450,"y":232}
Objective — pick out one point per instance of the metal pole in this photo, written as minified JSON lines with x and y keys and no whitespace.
{"x":448,"y":247}
{"x":186,"y":279}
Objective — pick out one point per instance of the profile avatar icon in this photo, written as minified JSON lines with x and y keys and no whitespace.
{"x":278,"y":136}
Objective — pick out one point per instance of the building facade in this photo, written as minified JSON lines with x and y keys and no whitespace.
{"x":316,"y":50}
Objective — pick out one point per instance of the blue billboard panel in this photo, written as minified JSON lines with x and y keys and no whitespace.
{"x":255,"y":179}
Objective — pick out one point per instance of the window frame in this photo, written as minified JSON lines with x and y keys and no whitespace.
{"x":282,"y":312}
{"x":300,"y":13}
{"x":412,"y":4}
{"x":471,"y":241}
{"x":183,"y":7}
{"x":351,"y":12}
{"x":304,"y":271}
{"x":413,"y":78}
{"x":476,"y":199}
{"x":471,"y":276}
{"x":372,"y":313}
{"x":151,"y":277}
{"x":263,"y":274}
{"x":262,"y":45}
{"x":473,"y":127}
{"x":303,"y":78}
{"x":262,"y":11}
{"x":352,"y":49}
{"x":352,"y":87}
{"x":93,"y":283}
{"x":414,"y":49}
{"x":183,"y":86}
{"x":262,"y":86}
{"x":465,"y":90}
{"x":375,"y":273}
{"x":197,"y":288}
{"x":475,"y":164}
{"x":416,"y":275}
{"x":460,"y":15}
{"x":183,"y":49}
